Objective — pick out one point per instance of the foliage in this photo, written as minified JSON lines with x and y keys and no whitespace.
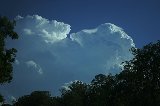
{"x":1,"y":99}
{"x":7,"y":56}
{"x":75,"y":95}
{"x":101,"y":89}
{"x":141,"y":75}
{"x":37,"y":98}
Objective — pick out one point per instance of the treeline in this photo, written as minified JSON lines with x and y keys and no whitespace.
{"x":137,"y":85}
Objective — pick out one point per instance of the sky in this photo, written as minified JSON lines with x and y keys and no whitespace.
{"x":66,"y":40}
{"x":139,"y":18}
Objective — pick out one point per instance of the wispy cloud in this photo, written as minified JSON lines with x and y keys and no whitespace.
{"x":34,"y":66}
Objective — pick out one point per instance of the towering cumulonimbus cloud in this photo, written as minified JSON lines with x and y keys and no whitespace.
{"x":48,"y":56}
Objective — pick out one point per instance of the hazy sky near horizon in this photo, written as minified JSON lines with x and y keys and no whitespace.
{"x":66,"y":40}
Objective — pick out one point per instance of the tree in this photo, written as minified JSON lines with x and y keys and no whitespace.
{"x":7,"y":56}
{"x":75,"y":95}
{"x":1,"y":99}
{"x":101,"y":90}
{"x":36,"y":98}
{"x":141,"y":75}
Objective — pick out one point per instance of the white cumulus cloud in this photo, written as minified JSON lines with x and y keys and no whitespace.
{"x":50,"y":31}
{"x":80,"y":56}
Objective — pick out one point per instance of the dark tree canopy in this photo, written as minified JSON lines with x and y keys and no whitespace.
{"x":7,"y":56}
{"x":141,"y":75}
{"x":75,"y":95}
{"x":1,"y":98}
{"x":36,"y":98}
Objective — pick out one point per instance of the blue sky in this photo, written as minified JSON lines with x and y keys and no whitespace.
{"x":100,"y":34}
{"x":139,"y":18}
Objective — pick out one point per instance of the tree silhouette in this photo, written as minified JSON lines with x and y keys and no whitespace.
{"x":1,"y":99}
{"x":141,"y":75}
{"x":36,"y":98}
{"x":7,"y":56}
{"x":101,"y":90}
{"x":75,"y":95}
